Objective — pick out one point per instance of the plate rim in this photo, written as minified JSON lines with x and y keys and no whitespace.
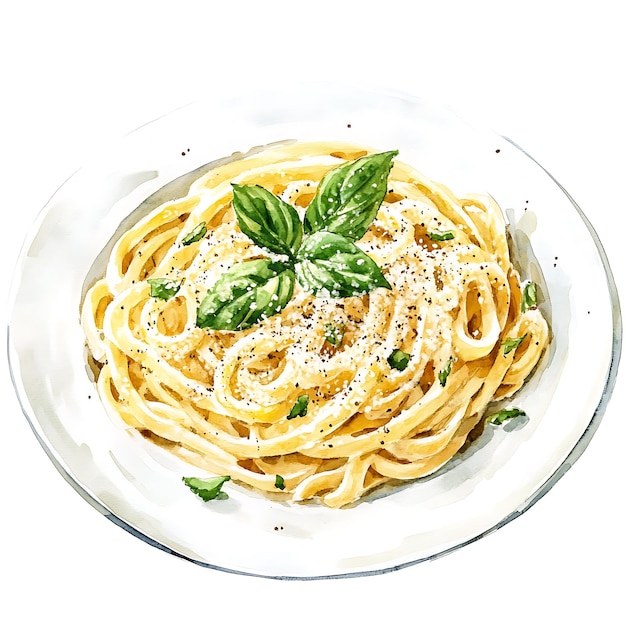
{"x":574,"y":454}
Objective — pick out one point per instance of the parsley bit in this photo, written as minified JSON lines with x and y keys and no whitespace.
{"x":163,"y":288}
{"x":438,"y":235}
{"x":300,"y":407}
{"x":195,"y":235}
{"x":334,"y":334}
{"x":510,"y":344}
{"x":506,"y":414}
{"x":445,"y":372}
{"x":529,"y":297}
{"x":399,"y":360}
{"x":209,"y":488}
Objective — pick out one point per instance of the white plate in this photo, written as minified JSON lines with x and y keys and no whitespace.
{"x":138,"y":486}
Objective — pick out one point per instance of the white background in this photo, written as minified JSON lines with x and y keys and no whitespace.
{"x":547,"y":74}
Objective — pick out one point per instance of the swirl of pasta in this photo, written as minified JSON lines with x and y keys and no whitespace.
{"x":222,"y":399}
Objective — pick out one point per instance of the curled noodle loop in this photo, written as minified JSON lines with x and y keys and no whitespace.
{"x":222,"y":399}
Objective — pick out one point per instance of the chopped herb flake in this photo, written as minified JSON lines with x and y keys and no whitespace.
{"x":195,"y":235}
{"x":506,"y":414}
{"x":300,"y":407}
{"x":333,"y":334}
{"x":529,"y":297}
{"x":164,"y":288}
{"x":207,"y":488}
{"x":438,"y":235}
{"x":279,"y":483}
{"x":445,"y":372}
{"x":511,"y":344}
{"x":399,"y":360}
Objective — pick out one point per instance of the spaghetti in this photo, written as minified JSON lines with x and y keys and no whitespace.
{"x":394,"y":379}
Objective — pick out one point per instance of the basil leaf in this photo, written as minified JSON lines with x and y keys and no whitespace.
{"x":279,"y":483}
{"x":349,"y":196}
{"x":300,"y":407}
{"x":501,"y":416}
{"x":164,"y":288}
{"x":330,"y":265}
{"x":249,"y":291}
{"x":445,"y":372}
{"x":399,"y":360}
{"x":207,"y":489}
{"x":333,"y":334}
{"x":269,"y":221}
{"x":529,"y":297}
{"x":438,"y":235}
{"x":511,"y":344}
{"x":194,"y":235}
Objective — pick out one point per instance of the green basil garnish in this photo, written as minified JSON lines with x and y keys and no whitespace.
{"x":279,"y":483}
{"x":207,"y":488}
{"x":399,"y":360}
{"x":300,"y":407}
{"x":438,"y":235}
{"x":529,"y":297}
{"x":321,"y":253}
{"x":329,"y":265}
{"x":164,"y":288}
{"x":194,"y":235}
{"x":349,"y":196}
{"x":269,"y":221}
{"x":445,"y":372}
{"x":249,"y":291}
{"x":506,"y":414}
{"x":511,"y":344}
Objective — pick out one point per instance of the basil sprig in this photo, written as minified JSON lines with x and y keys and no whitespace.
{"x":320,"y":252}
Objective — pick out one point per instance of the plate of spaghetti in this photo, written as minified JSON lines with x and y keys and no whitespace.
{"x":316,"y":333}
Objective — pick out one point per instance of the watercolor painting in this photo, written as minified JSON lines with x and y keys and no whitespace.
{"x":246,"y":322}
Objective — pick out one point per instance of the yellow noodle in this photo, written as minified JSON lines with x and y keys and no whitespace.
{"x":220,"y":399}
